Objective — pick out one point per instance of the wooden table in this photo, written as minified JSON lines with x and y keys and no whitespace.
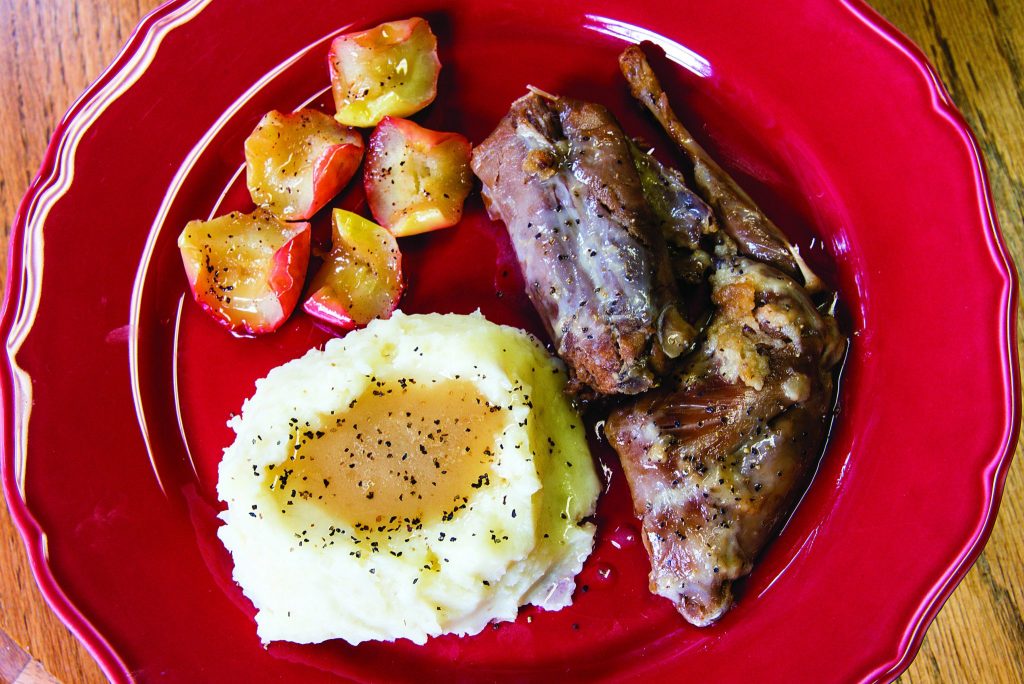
{"x":50,"y":50}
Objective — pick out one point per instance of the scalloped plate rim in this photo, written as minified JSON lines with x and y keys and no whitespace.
{"x":52,"y":170}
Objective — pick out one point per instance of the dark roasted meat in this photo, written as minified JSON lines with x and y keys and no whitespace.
{"x":751,"y":231}
{"x":715,"y":460}
{"x":560,"y":174}
{"x":719,"y":444}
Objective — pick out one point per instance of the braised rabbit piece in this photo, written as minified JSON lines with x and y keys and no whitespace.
{"x":560,"y":174}
{"x":716,"y":459}
{"x":721,"y":439}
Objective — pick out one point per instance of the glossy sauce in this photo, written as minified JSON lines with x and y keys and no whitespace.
{"x":403,"y":454}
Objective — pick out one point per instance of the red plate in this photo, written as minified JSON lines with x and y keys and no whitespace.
{"x":828,"y":116}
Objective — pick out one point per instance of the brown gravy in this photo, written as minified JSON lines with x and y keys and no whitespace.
{"x":403,"y":454}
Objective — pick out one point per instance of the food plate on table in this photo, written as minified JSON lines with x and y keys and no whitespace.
{"x":830,"y":120}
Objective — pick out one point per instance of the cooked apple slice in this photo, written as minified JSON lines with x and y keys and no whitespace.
{"x":389,"y":70}
{"x":246,"y":270}
{"x":295,"y":163}
{"x":361,"y":278}
{"x":416,"y":179}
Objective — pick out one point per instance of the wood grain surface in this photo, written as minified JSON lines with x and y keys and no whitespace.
{"x":50,"y":50}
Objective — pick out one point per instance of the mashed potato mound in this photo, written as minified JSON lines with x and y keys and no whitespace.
{"x":423,"y":476}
